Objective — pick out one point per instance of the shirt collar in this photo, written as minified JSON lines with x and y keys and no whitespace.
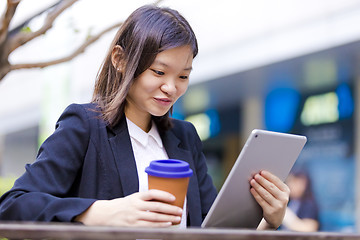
{"x":155,"y":134}
{"x":141,"y":136}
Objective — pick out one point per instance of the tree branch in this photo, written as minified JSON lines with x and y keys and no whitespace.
{"x":21,"y":37}
{"x":7,"y":17}
{"x":157,"y":2}
{"x":78,"y":51}
{"x":25,"y":23}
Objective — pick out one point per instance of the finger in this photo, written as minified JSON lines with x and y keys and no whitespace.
{"x":259,"y":199}
{"x":159,"y":217}
{"x":269,"y":186}
{"x":161,"y":207}
{"x":142,"y":223}
{"x":275,"y":180}
{"x":158,"y":195}
{"x":280,"y":193}
{"x":263,"y":193}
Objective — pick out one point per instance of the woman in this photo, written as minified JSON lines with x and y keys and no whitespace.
{"x":91,"y":169}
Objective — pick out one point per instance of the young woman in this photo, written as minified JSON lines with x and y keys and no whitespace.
{"x":91,"y":169}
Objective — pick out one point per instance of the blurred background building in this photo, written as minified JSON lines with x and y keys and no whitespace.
{"x":287,"y":66}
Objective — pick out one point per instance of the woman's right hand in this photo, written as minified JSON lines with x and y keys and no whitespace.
{"x":145,"y":209}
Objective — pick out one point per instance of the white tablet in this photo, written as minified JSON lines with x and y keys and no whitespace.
{"x":234,"y":206}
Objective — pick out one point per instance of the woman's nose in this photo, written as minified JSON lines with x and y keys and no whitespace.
{"x":169,"y":87}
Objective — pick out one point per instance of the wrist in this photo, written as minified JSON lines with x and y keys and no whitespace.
{"x":88,"y":217}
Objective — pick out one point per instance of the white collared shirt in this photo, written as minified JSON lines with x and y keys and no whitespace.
{"x":148,"y":147}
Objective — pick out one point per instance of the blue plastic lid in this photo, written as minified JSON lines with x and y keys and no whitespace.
{"x":169,"y":168}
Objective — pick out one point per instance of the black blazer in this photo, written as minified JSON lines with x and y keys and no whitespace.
{"x":85,"y":160}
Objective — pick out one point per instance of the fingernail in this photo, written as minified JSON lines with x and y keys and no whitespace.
{"x":180,"y":211}
{"x":178,"y":219}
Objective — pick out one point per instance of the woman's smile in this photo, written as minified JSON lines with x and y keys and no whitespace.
{"x":163,"y":101}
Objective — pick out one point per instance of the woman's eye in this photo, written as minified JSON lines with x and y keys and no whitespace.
{"x":184,"y":77}
{"x":160,"y":73}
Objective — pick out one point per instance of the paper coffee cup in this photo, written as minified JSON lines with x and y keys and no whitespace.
{"x":170,"y":175}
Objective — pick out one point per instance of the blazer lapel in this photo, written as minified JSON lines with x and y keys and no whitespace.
{"x":173,"y":148}
{"x":124,"y":159}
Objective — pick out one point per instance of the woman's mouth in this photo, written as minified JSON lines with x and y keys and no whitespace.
{"x":163,"y":101}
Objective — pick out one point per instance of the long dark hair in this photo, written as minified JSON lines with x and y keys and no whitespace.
{"x":148,"y":31}
{"x":302,"y":172}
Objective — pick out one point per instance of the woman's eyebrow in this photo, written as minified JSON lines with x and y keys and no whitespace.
{"x":157,"y":62}
{"x":188,"y":68}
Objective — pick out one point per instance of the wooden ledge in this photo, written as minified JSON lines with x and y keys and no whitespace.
{"x":31,"y":230}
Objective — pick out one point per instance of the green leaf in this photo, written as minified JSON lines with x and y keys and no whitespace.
{"x":26,"y":29}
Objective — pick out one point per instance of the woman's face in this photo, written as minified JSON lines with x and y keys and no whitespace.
{"x":160,"y":86}
{"x":297,"y":185}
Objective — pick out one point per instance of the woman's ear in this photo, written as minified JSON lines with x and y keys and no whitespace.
{"x":117,"y":58}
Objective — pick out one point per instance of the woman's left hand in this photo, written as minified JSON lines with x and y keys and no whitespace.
{"x":272,"y":195}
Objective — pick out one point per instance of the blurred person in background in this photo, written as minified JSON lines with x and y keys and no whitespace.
{"x":302,"y":211}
